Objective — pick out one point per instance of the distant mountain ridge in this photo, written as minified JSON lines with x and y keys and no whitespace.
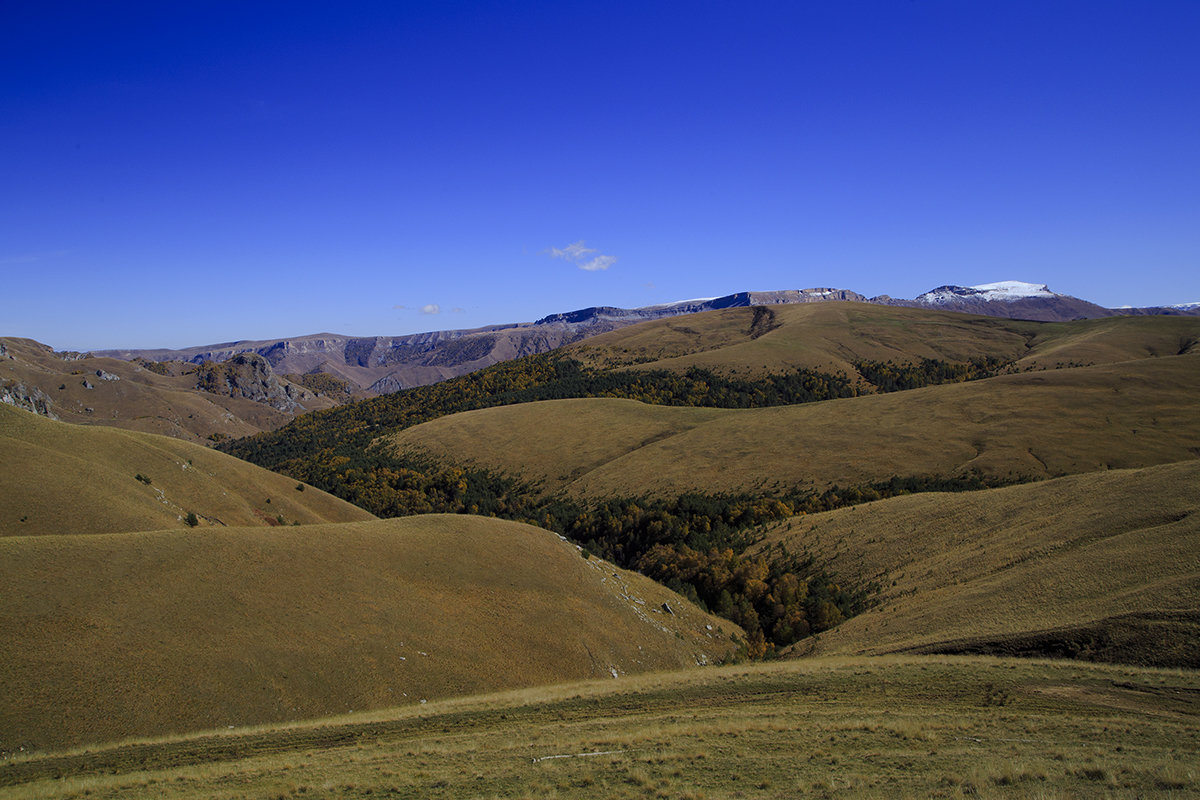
{"x":384,"y":364}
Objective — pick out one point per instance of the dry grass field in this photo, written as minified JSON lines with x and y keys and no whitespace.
{"x":1029,"y":425}
{"x":830,"y":336}
{"x":75,"y":479}
{"x":885,"y":727}
{"x":109,"y":636}
{"x":1104,"y":565}
{"x":440,"y":656}
{"x":134,"y":398}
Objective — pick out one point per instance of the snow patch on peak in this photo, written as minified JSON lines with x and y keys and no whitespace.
{"x":1186,"y":306}
{"x":683,"y":302}
{"x":1012,"y":290}
{"x":1003,"y":291}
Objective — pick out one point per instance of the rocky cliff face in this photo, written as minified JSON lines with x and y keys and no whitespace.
{"x":249,"y":375}
{"x":383,"y":364}
{"x":30,"y":398}
{"x":243,"y":396}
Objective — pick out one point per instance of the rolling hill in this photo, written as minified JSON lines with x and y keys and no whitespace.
{"x":382,"y":364}
{"x":833,"y":337}
{"x":854,"y":728}
{"x":197,"y":403}
{"x":61,"y":478}
{"x":1019,"y":426}
{"x":1103,"y":566}
{"x":136,"y":634}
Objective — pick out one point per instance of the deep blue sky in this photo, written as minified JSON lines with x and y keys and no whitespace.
{"x":185,"y":173}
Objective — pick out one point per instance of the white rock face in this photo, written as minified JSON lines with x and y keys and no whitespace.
{"x":1012,"y":290}
{"x":1002,"y":291}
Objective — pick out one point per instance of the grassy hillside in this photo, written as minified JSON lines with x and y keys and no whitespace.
{"x":822,"y":728}
{"x":128,"y":395}
{"x":104,"y":637}
{"x":833,"y":336}
{"x":1104,"y":565}
{"x":1034,"y":425}
{"x":59,"y":478}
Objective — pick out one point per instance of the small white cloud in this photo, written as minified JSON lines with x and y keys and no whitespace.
{"x":598,"y":263}
{"x":399,"y":308}
{"x":580,"y":254}
{"x":457,"y":310}
{"x":572,"y":252}
{"x":431,"y":308}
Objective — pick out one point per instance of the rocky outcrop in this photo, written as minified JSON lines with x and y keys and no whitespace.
{"x":386,"y":364}
{"x":29,"y":398}
{"x":249,"y":375}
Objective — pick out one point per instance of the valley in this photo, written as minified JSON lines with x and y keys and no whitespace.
{"x":849,"y":490}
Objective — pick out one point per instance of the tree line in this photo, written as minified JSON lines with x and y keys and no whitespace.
{"x":697,"y":544}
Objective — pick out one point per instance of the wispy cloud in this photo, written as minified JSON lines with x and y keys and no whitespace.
{"x":572,"y":252}
{"x":582,"y":256}
{"x":598,"y":263}
{"x":428,"y":308}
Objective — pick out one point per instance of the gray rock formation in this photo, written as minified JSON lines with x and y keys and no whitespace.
{"x":29,"y":398}
{"x":383,"y":364}
{"x":249,"y":375}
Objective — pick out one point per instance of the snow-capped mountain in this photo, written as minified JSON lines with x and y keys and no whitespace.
{"x":1005,"y":291}
{"x":1017,"y":299}
{"x":380,"y":364}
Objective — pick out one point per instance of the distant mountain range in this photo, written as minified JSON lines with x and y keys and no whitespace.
{"x":382,"y":364}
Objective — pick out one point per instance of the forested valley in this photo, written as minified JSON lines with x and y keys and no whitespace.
{"x":700,"y":545}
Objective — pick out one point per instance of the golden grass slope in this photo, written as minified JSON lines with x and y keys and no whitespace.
{"x":57,"y":478}
{"x":110,"y":636}
{"x":911,"y":727}
{"x":1104,"y":565}
{"x":138,"y":399}
{"x":830,"y":336}
{"x":1036,"y":424}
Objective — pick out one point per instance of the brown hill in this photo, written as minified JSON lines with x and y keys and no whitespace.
{"x":831,"y":336}
{"x":60,"y":478}
{"x":197,"y":403}
{"x":382,"y":364}
{"x":850,"y":728}
{"x":1103,"y":566}
{"x":1029,"y":425}
{"x":103,"y":637}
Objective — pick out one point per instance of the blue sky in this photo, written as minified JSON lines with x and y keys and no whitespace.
{"x":188,"y":173}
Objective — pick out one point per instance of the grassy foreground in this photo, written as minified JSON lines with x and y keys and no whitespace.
{"x":871,"y":727}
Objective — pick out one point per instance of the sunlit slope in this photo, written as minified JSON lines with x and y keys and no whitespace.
{"x":122,"y":394}
{"x":123,"y":634}
{"x":1036,"y":425}
{"x":831,"y":336}
{"x":846,"y":728}
{"x":1104,"y":565}
{"x":57,"y":478}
